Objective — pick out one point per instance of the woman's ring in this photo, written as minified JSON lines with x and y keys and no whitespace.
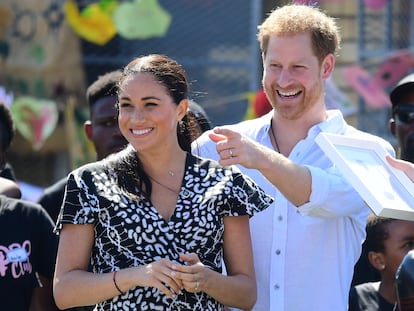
{"x":231,"y":153}
{"x":197,"y":285}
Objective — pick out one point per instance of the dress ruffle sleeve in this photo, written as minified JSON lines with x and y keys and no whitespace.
{"x":245,"y":196}
{"x":81,"y":201}
{"x":226,"y":187}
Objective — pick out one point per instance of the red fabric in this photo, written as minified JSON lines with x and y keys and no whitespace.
{"x":261,"y":104}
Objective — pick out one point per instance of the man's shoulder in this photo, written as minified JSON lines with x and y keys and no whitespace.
{"x":52,"y":196}
{"x":19,"y":205}
{"x":57,"y":186}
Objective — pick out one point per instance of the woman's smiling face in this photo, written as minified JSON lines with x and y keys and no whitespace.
{"x":148,"y":116}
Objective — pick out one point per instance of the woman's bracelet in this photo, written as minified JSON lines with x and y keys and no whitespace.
{"x":116,"y":285}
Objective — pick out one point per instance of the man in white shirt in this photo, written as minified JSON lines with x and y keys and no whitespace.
{"x":306,"y":244}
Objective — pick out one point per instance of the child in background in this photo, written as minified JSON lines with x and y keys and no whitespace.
{"x":388,"y":241}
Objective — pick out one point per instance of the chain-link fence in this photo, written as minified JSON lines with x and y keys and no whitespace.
{"x":214,"y":40}
{"x":381,"y":33}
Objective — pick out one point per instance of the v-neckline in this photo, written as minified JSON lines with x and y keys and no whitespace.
{"x":155,"y":209}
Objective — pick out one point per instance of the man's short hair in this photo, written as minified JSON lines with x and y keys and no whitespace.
{"x":377,"y":233}
{"x":295,"y":19}
{"x":105,"y":85}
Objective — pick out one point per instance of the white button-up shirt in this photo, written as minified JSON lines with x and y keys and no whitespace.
{"x":304,"y":256}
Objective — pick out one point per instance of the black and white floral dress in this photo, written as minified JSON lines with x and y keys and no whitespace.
{"x":132,"y":233}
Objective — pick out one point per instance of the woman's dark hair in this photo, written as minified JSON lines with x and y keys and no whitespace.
{"x":377,"y":233}
{"x":172,"y":76}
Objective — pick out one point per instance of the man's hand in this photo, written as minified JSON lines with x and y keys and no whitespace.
{"x":235,"y":148}
{"x":405,"y":166}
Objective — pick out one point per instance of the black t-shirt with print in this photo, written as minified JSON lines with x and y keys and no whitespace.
{"x":27,"y":246}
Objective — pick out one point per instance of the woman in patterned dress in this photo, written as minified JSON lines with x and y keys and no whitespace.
{"x":153,"y":221}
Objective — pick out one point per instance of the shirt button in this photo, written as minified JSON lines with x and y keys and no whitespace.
{"x":278,"y":252}
{"x":276,"y":286}
{"x":280,"y":218}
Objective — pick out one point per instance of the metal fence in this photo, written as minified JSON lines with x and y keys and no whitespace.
{"x":214,"y":40}
{"x":381,"y":33}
